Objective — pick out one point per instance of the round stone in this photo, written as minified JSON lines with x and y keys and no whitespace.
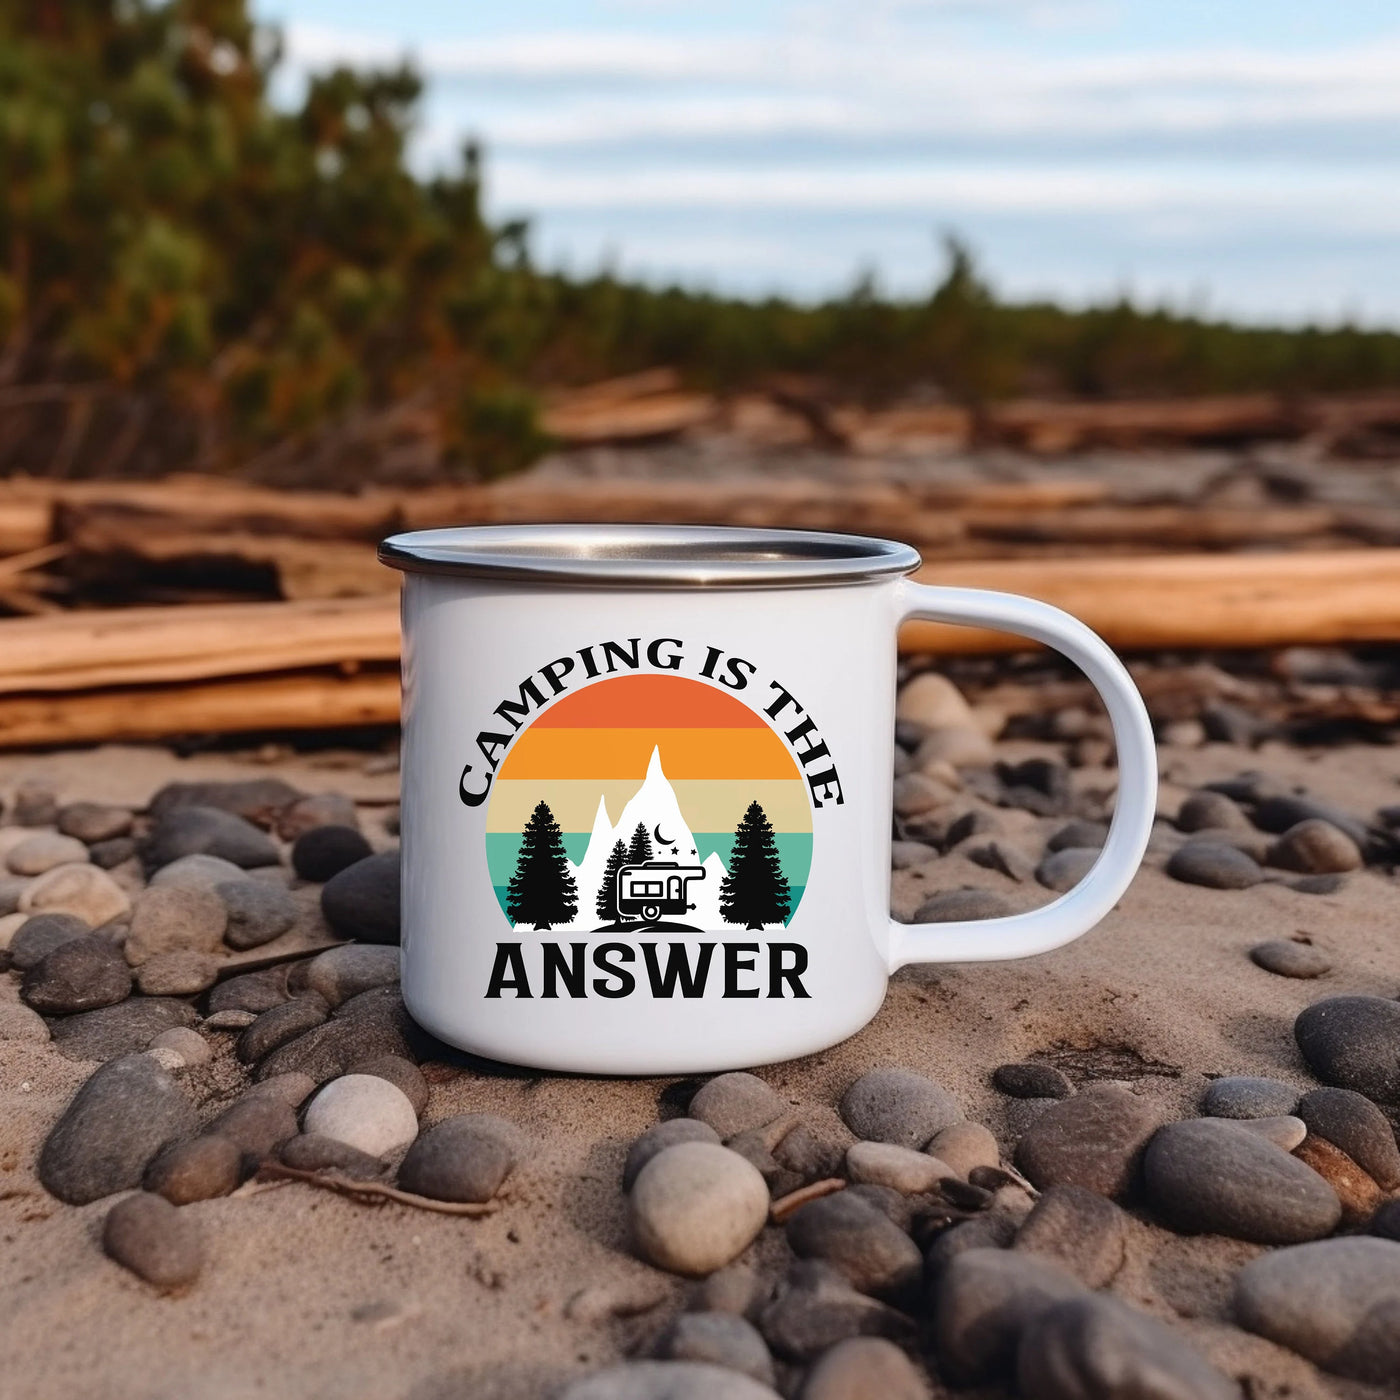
{"x":1288,"y":958}
{"x":84,"y":891}
{"x":1096,"y":1348}
{"x":197,"y":1170}
{"x":1080,"y":1230}
{"x":1353,"y":1042}
{"x":1029,"y":1080}
{"x":1211,"y":1176}
{"x":982,"y":1303}
{"x":362,"y":901}
{"x":932,"y":701}
{"x":123,"y":1029}
{"x":109,"y":854}
{"x":658,"y":1138}
{"x":202,"y":872}
{"x":1214,"y":865}
{"x":180,"y":972}
{"x":319,"y":809}
{"x":1211,"y":811}
{"x":898,"y":1106}
{"x":1315,"y":847}
{"x":402,"y":1074}
{"x":290,"y":1089}
{"x":194,"y":830}
{"x":1283,"y":1131}
{"x":813,"y":1307}
{"x":1353,"y":1123}
{"x":1063,"y":870}
{"x":169,"y":917}
{"x":280,"y":1025}
{"x":80,"y":974}
{"x":189,"y":1045}
{"x":341,"y":973}
{"x":309,"y":1152}
{"x":365,"y":1112}
{"x":900,"y":1168}
{"x":259,"y":1124}
{"x":956,"y":906}
{"x":257,"y":912}
{"x":92,"y":822}
{"x":253,"y":991}
{"x":1078,"y":835}
{"x":1095,"y":1140}
{"x":157,"y":1242}
{"x":864,"y":1368}
{"x":111,"y":1129}
{"x":325,"y":851}
{"x":1248,"y":1096}
{"x":734,"y":1103}
{"x":40,"y":934}
{"x":961,"y":1147}
{"x":1333,"y":1302}
{"x":466,"y":1158}
{"x":695,"y":1207}
{"x":42,"y":851}
{"x":852,"y":1235}
{"x":668,"y":1380}
{"x":18,"y":1022}
{"x":720,"y":1339}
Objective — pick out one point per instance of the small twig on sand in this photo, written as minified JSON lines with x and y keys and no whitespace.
{"x":375,"y":1192}
{"x":785,"y":1205}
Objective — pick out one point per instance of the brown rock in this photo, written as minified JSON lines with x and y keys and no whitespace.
{"x":1358,"y":1192}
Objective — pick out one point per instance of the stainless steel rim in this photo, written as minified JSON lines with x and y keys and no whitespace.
{"x":649,"y":556}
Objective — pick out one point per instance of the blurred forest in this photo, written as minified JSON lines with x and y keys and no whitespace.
{"x":193,"y":278}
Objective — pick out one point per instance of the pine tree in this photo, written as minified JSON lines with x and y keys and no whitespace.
{"x":755,"y":891}
{"x":542,"y":891}
{"x":640,"y":851}
{"x":606,"y":908}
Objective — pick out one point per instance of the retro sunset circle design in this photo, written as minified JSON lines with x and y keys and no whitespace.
{"x":649,"y":803}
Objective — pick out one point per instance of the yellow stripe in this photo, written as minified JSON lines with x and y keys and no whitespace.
{"x":555,"y":753}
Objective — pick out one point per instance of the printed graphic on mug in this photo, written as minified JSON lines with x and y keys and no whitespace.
{"x":649,"y":804}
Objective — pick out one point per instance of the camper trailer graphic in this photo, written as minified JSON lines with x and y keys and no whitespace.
{"x":656,"y":888}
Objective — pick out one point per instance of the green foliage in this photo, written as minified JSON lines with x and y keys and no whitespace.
{"x":193,"y":277}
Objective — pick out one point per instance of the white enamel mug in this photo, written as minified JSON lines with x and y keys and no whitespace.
{"x":647,"y":778}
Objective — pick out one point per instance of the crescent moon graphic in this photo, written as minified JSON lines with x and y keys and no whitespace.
{"x":660,"y":839}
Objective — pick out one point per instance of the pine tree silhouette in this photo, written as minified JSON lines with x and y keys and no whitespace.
{"x":542,"y":891}
{"x":755,"y":892}
{"x":639,"y":852}
{"x":606,"y":908}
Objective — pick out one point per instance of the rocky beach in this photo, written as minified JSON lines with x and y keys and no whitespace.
{"x":1159,"y":1162}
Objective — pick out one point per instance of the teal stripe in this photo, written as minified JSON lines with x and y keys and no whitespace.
{"x":503,"y":850}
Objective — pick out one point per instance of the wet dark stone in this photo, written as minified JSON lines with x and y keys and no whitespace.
{"x":252,"y":991}
{"x":279,"y":1025}
{"x":107,"y":855}
{"x":363,"y":900}
{"x":1350,"y":1121}
{"x":325,"y":851}
{"x":858,"y":1239}
{"x":1353,"y":1042}
{"x":39,"y":935}
{"x":1029,"y":1080}
{"x":80,"y":974}
{"x":373,"y":1023}
{"x":465,"y":1158}
{"x":814,"y":1307}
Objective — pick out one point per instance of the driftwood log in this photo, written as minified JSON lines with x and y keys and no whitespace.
{"x":145,"y":673}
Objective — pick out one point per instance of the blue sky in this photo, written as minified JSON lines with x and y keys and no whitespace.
{"x":1236,"y":156}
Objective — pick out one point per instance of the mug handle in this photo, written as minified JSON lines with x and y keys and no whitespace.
{"x":1134,"y":811}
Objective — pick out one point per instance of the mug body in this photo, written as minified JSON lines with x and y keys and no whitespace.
{"x":645,"y":829}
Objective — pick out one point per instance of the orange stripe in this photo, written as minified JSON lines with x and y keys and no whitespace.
{"x":631,"y":702}
{"x":624,"y":753}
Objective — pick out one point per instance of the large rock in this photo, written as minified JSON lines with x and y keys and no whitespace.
{"x":171,"y":917}
{"x":122,"y":1029}
{"x":1336,"y":1302}
{"x":898,"y":1106}
{"x":1354,"y":1043}
{"x":363,"y":901}
{"x":1214,"y":1176}
{"x":1095,"y":1140}
{"x":733,"y":1103}
{"x":464,"y":1158}
{"x":695,"y":1207}
{"x":1095,"y":1348}
{"x":80,"y":974}
{"x":191,"y":830}
{"x":985,"y":1299}
{"x":114,"y":1125}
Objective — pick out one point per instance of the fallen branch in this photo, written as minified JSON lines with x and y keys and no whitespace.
{"x":375,"y":1192}
{"x":785,"y":1206}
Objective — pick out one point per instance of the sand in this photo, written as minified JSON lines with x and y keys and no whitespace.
{"x":308,"y":1296}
